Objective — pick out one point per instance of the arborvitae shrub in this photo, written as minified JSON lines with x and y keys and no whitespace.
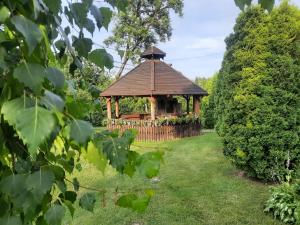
{"x":258,"y":93}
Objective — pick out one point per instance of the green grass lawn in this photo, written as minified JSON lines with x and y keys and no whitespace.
{"x":198,"y":185}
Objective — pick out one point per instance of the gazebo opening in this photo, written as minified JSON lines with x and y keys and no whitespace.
{"x":163,"y":117}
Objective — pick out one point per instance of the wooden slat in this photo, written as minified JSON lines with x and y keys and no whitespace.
{"x":160,"y":133}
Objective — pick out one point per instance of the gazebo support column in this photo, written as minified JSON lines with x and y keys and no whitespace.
{"x":108,"y":106}
{"x":153,"y":107}
{"x":117,"y":107}
{"x":187,"y":104}
{"x":196,"y":105}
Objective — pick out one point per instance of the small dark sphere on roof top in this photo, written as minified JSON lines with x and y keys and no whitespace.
{"x":153,"y":53}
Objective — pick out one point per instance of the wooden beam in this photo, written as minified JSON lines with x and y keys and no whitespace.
{"x":117,"y":107}
{"x":187,"y":104}
{"x":196,"y":105}
{"x":108,"y":106}
{"x":153,"y":103}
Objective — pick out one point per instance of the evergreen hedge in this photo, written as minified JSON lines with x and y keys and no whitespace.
{"x":257,"y":93}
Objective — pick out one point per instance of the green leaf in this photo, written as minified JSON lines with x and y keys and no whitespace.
{"x":70,"y":207}
{"x":116,"y":150}
{"x":120,"y":4}
{"x":130,"y":166}
{"x":121,"y":53}
{"x":46,"y":42}
{"x":55,"y":214}
{"x":53,"y":5}
{"x":133,"y":202}
{"x":130,"y":135}
{"x":32,"y":75}
{"x":36,"y":8}
{"x":41,"y":221}
{"x":267,"y":4}
{"x":4,"y":207}
{"x":149,"y":163}
{"x":56,"y":77}
{"x":40,"y":181}
{"x":53,"y":101}
{"x":125,"y":201}
{"x":101,"y":58}
{"x":241,"y":3}
{"x":83,"y":46}
{"x":3,"y":54}
{"x":79,"y":11}
{"x":29,"y":30}
{"x":89,"y":25}
{"x":58,"y":172}
{"x":87,"y":201}
{"x":96,"y":157}
{"x":68,"y":196}
{"x":106,"y":14}
{"x":33,"y":126}
{"x":13,"y":185}
{"x":77,"y":108}
{"x":4,"y":14}
{"x":88,"y":3}
{"x":140,"y":204}
{"x":15,"y":105}
{"x":76,"y":184}
{"x":67,"y":30}
{"x":80,"y":131}
{"x":97,"y":15}
{"x":11,"y":220}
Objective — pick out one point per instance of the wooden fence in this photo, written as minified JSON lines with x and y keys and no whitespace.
{"x":162,"y":132}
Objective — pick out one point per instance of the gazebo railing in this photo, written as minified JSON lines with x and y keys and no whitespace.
{"x":160,"y":129}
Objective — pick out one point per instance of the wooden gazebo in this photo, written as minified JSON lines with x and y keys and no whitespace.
{"x":160,"y":82}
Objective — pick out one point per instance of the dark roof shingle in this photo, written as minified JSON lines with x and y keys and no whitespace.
{"x":153,"y":52}
{"x":153,"y":77}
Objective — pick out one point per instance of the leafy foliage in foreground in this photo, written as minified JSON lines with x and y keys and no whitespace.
{"x":258,"y":93}
{"x":43,"y":134}
{"x":284,"y":203}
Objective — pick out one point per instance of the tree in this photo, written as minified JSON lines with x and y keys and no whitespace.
{"x":207,"y":103}
{"x":265,"y":4}
{"x":144,"y":23}
{"x":257,"y":93}
{"x":43,"y":134}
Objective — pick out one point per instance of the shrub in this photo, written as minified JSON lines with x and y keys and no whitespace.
{"x":258,"y":93}
{"x":284,"y":203}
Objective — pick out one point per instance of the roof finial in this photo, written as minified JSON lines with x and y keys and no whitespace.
{"x":153,"y":53}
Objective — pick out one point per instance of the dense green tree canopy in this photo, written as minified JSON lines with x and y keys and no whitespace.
{"x":144,"y":23}
{"x":257,"y":93}
{"x":266,"y":4}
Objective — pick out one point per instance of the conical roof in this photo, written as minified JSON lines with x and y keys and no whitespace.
{"x":153,"y":53}
{"x":153,"y":77}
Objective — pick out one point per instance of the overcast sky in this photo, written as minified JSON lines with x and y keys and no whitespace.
{"x":197,"y":45}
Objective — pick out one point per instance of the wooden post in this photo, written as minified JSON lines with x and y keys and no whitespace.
{"x":187,"y":104}
{"x":117,"y":106}
{"x":152,"y":100}
{"x":196,"y":105}
{"x":108,"y":105}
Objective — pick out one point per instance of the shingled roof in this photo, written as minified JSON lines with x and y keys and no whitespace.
{"x":153,"y":77}
{"x":153,"y":53}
